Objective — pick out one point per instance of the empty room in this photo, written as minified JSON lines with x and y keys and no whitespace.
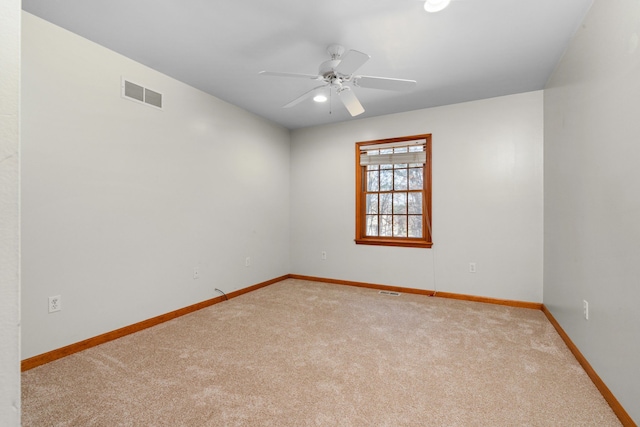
{"x":363,"y":213}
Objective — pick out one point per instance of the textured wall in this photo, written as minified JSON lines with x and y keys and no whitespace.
{"x":9,"y":214}
{"x":592,"y":202}
{"x":121,"y":201}
{"x":487,"y":200}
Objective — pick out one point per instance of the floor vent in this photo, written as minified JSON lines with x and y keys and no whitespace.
{"x":141,"y":94}
{"x":390,"y":293}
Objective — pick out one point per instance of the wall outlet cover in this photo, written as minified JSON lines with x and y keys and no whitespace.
{"x":55,"y":303}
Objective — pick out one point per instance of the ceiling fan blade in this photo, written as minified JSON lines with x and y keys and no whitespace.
{"x":350,"y":101}
{"x":351,"y":61}
{"x":303,"y":97}
{"x":296,"y":75}
{"x":384,"y":83}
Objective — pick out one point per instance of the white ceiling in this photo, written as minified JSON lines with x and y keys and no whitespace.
{"x":474,"y":49}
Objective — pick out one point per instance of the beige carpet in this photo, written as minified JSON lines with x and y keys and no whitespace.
{"x":301,"y":353}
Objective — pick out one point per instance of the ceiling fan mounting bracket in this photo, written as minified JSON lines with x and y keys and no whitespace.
{"x":335,"y":50}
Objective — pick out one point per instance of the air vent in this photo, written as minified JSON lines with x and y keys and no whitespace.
{"x":390,"y":293}
{"x":132,"y":90}
{"x":153,"y":98}
{"x":138,"y":93}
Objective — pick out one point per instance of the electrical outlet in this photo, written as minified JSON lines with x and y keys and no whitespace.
{"x":55,"y":303}
{"x":472,"y":267}
{"x":247,"y":261}
{"x":323,"y":255}
{"x":585,"y":309}
{"x":196,"y":273}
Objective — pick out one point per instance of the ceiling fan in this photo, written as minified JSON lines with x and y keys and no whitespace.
{"x":337,"y":72}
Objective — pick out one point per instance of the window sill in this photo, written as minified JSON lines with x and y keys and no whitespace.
{"x":407,"y":243}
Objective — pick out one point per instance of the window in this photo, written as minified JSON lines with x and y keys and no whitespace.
{"x":393,"y":192}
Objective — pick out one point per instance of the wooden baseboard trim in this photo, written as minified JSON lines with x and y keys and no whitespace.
{"x":59,"y":353}
{"x":620,"y":412}
{"x":362,"y":284}
{"x":510,"y":303}
{"x":258,"y":286}
{"x":497,"y":301}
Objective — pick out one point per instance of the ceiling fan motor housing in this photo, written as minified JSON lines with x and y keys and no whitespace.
{"x":327,"y":68}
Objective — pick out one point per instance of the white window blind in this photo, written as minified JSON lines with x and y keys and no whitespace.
{"x":370,"y":154}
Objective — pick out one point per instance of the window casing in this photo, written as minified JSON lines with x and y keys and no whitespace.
{"x":393,"y":192}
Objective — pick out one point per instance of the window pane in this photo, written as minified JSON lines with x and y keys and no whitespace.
{"x":401,"y":150}
{"x":373,"y":167}
{"x":372,"y":180}
{"x":372,"y":225}
{"x":415,"y":148}
{"x":400,"y":179}
{"x":372,"y":204}
{"x":386,"y":223}
{"x":400,"y":225}
{"x":386,"y":200}
{"x":386,"y":166}
{"x":386,"y":180}
{"x":399,"y":203}
{"x":415,"y":203}
{"x":415,"y":225}
{"x":415,"y":179}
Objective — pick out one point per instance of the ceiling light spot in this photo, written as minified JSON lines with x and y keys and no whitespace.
{"x":435,"y":5}
{"x":320,"y":98}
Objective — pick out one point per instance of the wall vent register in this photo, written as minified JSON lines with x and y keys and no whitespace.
{"x":390,"y":293}
{"x":138,"y":93}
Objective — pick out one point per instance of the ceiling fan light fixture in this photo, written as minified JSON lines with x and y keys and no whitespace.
{"x":433,"y":6}
{"x":320,"y":98}
{"x":337,"y":71}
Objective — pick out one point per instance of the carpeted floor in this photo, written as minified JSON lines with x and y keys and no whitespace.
{"x":301,"y":353}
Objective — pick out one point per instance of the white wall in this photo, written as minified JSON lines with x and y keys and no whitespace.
{"x":592,"y":196}
{"x":120,"y":201}
{"x":487,"y":200}
{"x":9,"y":214}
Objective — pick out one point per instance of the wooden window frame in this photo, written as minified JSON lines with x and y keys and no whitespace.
{"x":427,"y":219}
